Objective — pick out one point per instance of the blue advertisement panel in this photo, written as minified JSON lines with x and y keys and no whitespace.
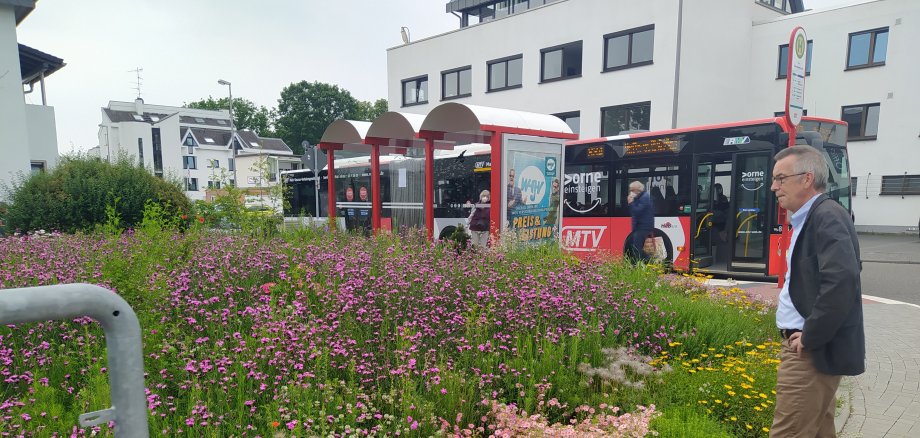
{"x":532,"y":197}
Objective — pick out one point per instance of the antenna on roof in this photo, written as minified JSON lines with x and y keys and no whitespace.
{"x":137,"y":85}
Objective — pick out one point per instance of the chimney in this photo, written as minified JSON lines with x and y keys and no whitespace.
{"x":139,"y":106}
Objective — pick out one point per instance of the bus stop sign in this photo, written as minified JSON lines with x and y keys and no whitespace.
{"x":795,"y":75}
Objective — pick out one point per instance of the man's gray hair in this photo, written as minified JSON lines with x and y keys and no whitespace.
{"x":637,"y":185}
{"x":808,"y":159}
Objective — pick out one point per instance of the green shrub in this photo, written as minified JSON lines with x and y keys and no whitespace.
{"x":74,"y":195}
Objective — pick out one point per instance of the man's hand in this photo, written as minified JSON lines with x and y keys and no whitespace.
{"x":795,"y":341}
{"x":630,"y":198}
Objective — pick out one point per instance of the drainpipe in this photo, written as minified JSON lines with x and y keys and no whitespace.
{"x":42,"y":80}
{"x":680,"y":20}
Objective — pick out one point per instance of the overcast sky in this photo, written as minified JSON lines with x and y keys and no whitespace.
{"x":185,"y":46}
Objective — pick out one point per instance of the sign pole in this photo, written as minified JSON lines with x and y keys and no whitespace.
{"x":795,"y":102}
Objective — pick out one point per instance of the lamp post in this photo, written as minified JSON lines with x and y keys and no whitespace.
{"x":236,"y":182}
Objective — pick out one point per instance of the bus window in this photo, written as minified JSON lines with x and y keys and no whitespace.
{"x":838,"y":179}
{"x":586,"y":190}
{"x":667,"y":186}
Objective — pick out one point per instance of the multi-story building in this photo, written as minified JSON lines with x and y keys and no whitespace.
{"x":606,"y":66}
{"x":28,"y":136}
{"x":193,"y":146}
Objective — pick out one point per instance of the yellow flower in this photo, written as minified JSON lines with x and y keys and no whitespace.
{"x":704,"y":401}
{"x":749,"y":427}
{"x":727,"y":386}
{"x":674,"y":344}
{"x":762,"y":395}
{"x":718,"y":401}
{"x":734,"y":418}
{"x":731,"y":393}
{"x":758,"y":408}
{"x":765,"y":429}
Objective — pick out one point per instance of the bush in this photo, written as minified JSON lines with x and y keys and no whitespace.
{"x":74,"y":196}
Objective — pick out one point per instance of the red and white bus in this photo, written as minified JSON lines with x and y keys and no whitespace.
{"x":710,"y":186}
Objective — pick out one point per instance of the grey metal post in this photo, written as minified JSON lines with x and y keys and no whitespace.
{"x":122,"y":337}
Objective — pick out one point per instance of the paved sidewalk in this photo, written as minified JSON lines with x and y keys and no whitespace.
{"x":883,"y":402}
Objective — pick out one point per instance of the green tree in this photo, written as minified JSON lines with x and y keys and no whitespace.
{"x":75,"y":195}
{"x":307,"y":108}
{"x":246,"y":115}
{"x":371,"y":110}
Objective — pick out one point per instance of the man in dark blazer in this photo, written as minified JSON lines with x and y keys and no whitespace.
{"x":820,"y":307}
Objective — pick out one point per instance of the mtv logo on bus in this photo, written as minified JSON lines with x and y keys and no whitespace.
{"x":583,"y":237}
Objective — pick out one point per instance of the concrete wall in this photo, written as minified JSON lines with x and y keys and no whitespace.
{"x":14,"y":137}
{"x":526,"y":33}
{"x":830,"y":86}
{"x":42,"y":131}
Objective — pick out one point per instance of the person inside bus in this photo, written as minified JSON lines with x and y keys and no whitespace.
{"x":642,"y":211}
{"x":819,"y":314}
{"x":479,"y":220}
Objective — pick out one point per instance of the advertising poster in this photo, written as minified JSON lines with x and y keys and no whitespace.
{"x":532,"y":198}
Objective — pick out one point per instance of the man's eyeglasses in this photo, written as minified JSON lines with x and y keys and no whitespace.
{"x":782,"y":178}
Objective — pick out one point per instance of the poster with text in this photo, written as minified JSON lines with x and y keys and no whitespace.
{"x":532,"y":195}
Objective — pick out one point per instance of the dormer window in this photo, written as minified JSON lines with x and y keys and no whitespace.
{"x":254,"y":144}
{"x":190,"y":141}
{"x":199,"y":120}
{"x":208,"y":140}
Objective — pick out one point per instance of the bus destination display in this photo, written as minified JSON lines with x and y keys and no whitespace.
{"x":595,"y":151}
{"x":651,"y":146}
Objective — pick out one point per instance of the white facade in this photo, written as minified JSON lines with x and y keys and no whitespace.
{"x":193,"y":144}
{"x":28,"y":137}
{"x":712,"y":62}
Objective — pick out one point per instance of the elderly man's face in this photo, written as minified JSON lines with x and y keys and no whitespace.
{"x":792,"y":189}
{"x":511,"y":177}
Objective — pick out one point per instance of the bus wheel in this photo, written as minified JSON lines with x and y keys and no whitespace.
{"x":668,"y":246}
{"x":446,"y":232}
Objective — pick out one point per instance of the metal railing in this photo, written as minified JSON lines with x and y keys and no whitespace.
{"x":122,"y":337}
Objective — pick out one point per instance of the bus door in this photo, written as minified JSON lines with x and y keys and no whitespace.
{"x":750,"y":206}
{"x":711,"y":213}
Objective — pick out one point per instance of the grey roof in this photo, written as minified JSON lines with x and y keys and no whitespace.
{"x":182,"y":131}
{"x":192,"y":120}
{"x":128,"y":116}
{"x":274,"y":144}
{"x":264,"y":143}
{"x":221,"y":138}
{"x":33,"y":62}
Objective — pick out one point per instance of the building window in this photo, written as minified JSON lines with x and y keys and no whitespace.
{"x":629,"y":48}
{"x":38,"y":166}
{"x":190,"y":141}
{"x":189,"y":162}
{"x":191,"y":184}
{"x":505,"y":73}
{"x":783,"y":113}
{"x":867,"y":48}
{"x":457,"y":83}
{"x":214,"y":184}
{"x":863,"y":120}
{"x":157,"y":152}
{"x":573,"y":119}
{"x":560,"y":62}
{"x":631,"y":117}
{"x":231,"y":164}
{"x":140,"y":152}
{"x":415,"y":91}
{"x":900,"y":185}
{"x":214,"y":164}
{"x":853,"y":186}
{"x":783,"y":64}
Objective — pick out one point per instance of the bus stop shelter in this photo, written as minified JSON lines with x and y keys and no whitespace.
{"x":446,"y":126}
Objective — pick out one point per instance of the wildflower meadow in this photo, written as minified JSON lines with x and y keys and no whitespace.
{"x":310,"y":333}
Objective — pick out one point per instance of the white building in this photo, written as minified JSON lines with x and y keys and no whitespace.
{"x":28,"y":136}
{"x":191,"y":145}
{"x":610,"y":65}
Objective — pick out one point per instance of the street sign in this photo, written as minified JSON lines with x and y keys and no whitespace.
{"x":795,"y":76}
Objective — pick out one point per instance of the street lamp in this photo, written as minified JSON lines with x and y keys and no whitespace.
{"x":236,"y":182}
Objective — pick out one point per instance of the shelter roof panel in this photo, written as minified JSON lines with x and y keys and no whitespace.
{"x":346,"y":132}
{"x":458,"y":117}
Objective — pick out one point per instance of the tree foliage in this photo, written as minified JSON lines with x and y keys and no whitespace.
{"x":369,"y":111}
{"x":246,"y":115}
{"x":307,"y":108}
{"x":74,"y":195}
